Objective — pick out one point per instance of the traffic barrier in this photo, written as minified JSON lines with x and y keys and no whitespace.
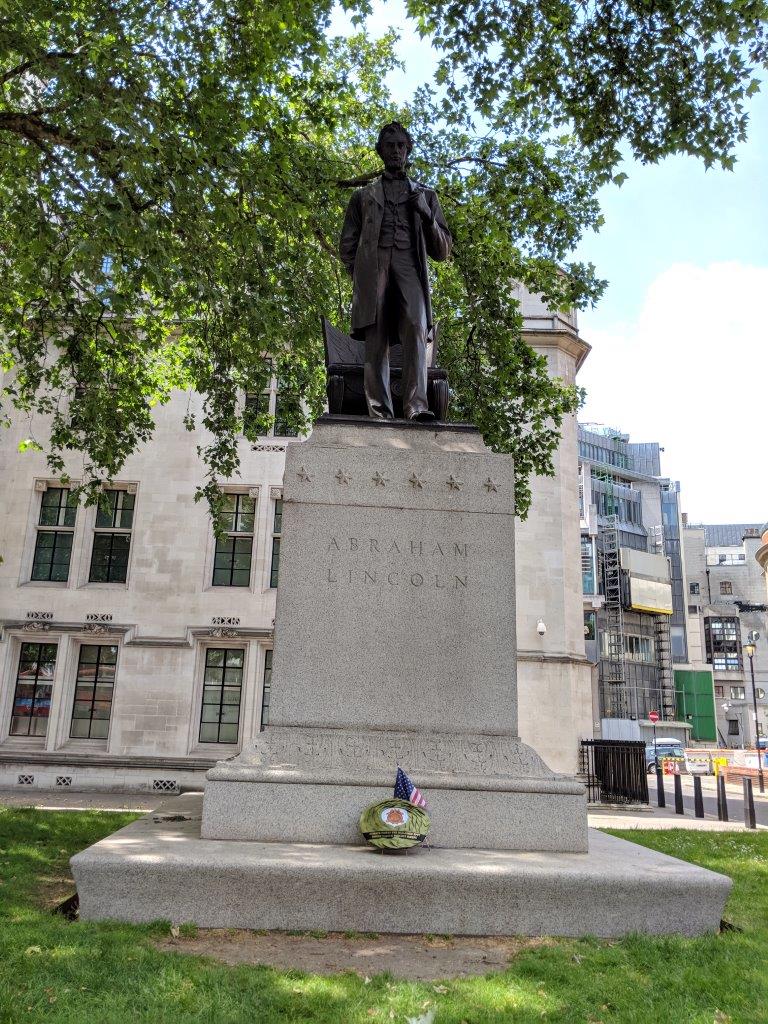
{"x":679,"y":808}
{"x":698,"y":800}
{"x":722,"y":800}
{"x":749,"y":804}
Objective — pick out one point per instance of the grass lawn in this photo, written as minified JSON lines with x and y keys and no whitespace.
{"x":55,"y":971}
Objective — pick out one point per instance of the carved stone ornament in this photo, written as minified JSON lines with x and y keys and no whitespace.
{"x":36,"y":626}
{"x":454,"y":483}
{"x":225,"y":620}
{"x":95,"y":628}
{"x":253,"y":492}
{"x":415,"y":482}
{"x":343,"y":477}
{"x":490,"y":485}
{"x":221,"y":631}
{"x":304,"y":476}
{"x":98,"y":617}
{"x":268,"y":447}
{"x":379,"y":480}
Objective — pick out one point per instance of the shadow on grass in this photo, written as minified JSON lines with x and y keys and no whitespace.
{"x":111,"y":973}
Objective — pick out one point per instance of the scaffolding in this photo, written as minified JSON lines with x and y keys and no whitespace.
{"x":666,"y":679}
{"x":667,"y":705}
{"x":613,"y":684}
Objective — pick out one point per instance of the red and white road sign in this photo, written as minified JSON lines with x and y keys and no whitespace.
{"x":654,"y":716}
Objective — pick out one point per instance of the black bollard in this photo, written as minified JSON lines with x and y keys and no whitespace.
{"x":749,"y":804}
{"x":660,"y":798}
{"x":679,"y":809}
{"x":722,"y":801}
{"x":698,"y":801}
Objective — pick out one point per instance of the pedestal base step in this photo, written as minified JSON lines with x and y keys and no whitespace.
{"x":160,"y":868}
{"x":542,"y":814}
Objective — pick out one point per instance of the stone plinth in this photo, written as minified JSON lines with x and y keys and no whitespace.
{"x":395,"y":643}
{"x":160,"y":868}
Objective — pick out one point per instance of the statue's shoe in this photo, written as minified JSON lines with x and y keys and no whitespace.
{"x":423,"y":417}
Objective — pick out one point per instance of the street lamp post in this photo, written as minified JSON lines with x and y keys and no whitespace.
{"x":749,"y":650}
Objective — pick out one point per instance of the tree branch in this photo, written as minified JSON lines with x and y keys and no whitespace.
{"x":362,"y":179}
{"x":47,"y":58}
{"x":40,"y":132}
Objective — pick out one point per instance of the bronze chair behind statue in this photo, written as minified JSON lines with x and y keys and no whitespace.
{"x":344,"y":362}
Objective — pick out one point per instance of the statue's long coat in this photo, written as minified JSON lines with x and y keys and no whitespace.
{"x":358,"y":248}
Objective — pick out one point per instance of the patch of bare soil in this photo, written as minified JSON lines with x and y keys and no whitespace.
{"x":413,"y":957}
{"x":52,"y":890}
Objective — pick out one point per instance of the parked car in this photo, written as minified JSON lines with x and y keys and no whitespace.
{"x":666,"y":746}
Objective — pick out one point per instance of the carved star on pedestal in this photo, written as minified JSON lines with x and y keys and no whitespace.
{"x":415,"y":482}
{"x":454,"y":483}
{"x":343,"y":477}
{"x":379,"y":480}
{"x":304,"y":476}
{"x":490,"y":485}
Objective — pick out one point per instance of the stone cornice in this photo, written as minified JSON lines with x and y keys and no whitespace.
{"x":561,"y":337}
{"x":562,"y":659}
{"x":114,"y":630}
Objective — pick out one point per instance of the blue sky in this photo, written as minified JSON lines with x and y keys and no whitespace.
{"x":680,"y":338}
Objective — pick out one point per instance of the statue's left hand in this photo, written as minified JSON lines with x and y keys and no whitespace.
{"x":419,"y":204}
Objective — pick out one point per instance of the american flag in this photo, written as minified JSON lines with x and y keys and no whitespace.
{"x":405,"y":790}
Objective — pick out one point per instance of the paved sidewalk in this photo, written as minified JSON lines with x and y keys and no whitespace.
{"x":665,"y":817}
{"x":58,"y":800}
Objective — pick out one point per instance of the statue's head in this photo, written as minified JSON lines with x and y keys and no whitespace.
{"x":394,"y":146}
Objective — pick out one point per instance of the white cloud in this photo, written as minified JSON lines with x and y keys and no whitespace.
{"x":692,"y":373}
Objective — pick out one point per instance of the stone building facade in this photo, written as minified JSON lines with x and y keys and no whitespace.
{"x":633,"y":581}
{"x":727,"y":602}
{"x":135,"y":648}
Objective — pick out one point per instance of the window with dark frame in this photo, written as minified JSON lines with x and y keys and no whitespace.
{"x":694,"y":588}
{"x":55,"y":530}
{"x":285,"y":403}
{"x":266,"y":689}
{"x":112,"y":537}
{"x":723,"y":643}
{"x":737,"y":693}
{"x":587,"y":565}
{"x":34,"y":684}
{"x":94,"y":688}
{"x":275,"y":399}
{"x":726,"y":587}
{"x":718,"y":691}
{"x":277,"y":529}
{"x":234,"y":550}
{"x":733,"y":727}
{"x":257,"y":403}
{"x":222,"y":692}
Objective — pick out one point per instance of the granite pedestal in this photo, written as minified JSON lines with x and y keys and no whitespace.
{"x":394,"y":644}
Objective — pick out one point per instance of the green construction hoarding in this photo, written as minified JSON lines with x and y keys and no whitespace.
{"x":695,"y":696}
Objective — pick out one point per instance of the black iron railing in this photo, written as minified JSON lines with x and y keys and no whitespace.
{"x":615,"y":771}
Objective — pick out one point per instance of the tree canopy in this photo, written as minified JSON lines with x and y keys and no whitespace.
{"x":173,"y":177}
